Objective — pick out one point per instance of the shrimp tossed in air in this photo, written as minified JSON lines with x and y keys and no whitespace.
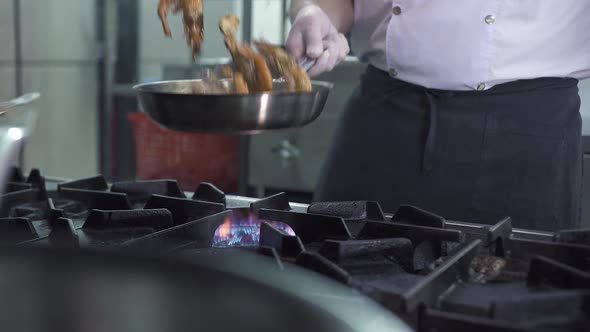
{"x":250,"y":65}
{"x":192,"y":19}
{"x":296,"y":78}
{"x":250,"y":70}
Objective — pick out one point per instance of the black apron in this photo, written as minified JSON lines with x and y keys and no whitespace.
{"x":476,"y":156}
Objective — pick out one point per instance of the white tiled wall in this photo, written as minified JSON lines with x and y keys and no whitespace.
{"x":65,"y":142}
{"x":6,"y":32}
{"x":267,"y":19}
{"x":58,"y":30}
{"x":59,"y":62}
{"x":6,"y":51}
{"x":6,"y":82}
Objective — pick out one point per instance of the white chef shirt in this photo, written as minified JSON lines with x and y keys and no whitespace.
{"x":473,"y":44}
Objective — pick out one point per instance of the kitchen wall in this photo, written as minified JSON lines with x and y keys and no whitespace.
{"x":6,"y":51}
{"x":59,"y":62}
{"x":267,"y":20}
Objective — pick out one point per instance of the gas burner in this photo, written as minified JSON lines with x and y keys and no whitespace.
{"x":436,"y":274}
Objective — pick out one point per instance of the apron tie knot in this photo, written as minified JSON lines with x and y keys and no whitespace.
{"x":430,"y":143}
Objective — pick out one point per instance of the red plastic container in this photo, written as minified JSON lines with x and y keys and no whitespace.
{"x":186,"y":157}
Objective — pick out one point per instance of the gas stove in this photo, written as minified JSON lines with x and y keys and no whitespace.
{"x":435,"y":274}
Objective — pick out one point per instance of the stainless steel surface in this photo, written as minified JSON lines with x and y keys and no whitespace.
{"x":17,"y":120}
{"x":187,"y":105}
{"x":232,"y":201}
{"x":242,"y":202}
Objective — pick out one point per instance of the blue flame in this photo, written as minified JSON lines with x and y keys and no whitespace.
{"x":243,"y":231}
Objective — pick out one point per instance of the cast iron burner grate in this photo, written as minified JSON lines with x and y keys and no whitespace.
{"x":436,"y":274}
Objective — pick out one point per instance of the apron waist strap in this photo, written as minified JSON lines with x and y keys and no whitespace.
{"x":516,"y":86}
{"x":434,"y":96}
{"x":430,"y":143}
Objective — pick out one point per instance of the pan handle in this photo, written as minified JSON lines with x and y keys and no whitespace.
{"x":306,"y":63}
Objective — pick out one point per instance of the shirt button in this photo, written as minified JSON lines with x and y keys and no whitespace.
{"x":397,"y":10}
{"x":392,"y":72}
{"x":481,"y":87}
{"x":490,"y":19}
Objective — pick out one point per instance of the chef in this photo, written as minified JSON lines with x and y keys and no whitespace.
{"x":468,"y":108}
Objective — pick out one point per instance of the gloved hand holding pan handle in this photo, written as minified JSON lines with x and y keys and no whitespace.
{"x":306,"y":63}
{"x":315,"y":41}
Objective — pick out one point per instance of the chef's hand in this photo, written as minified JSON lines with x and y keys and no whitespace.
{"x":313,"y":35}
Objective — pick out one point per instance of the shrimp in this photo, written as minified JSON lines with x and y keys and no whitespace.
{"x":251,"y":65}
{"x":296,"y":78}
{"x":192,"y":18}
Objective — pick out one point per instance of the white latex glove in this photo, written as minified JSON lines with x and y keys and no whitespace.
{"x":313,"y":35}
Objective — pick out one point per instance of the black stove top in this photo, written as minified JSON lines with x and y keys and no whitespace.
{"x":437,"y":275}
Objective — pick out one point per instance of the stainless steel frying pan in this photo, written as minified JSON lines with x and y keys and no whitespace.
{"x":191,"y":106}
